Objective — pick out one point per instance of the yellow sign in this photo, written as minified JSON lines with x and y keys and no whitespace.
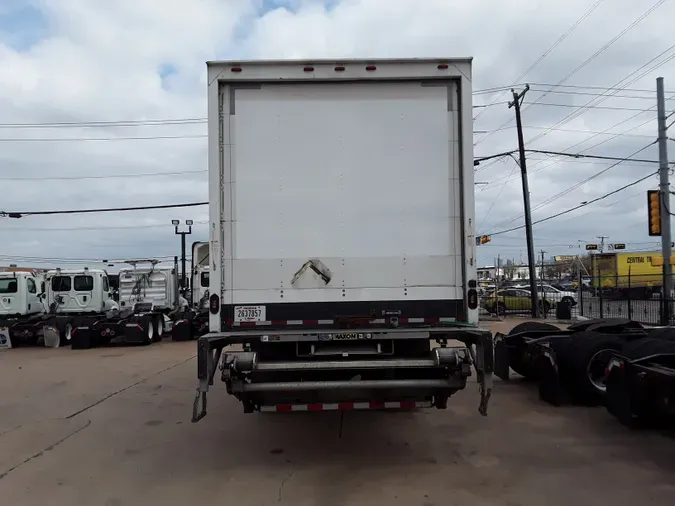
{"x":564,"y":258}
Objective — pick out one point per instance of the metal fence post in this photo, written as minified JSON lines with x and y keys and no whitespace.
{"x":581,"y":294}
{"x":630,"y":297}
{"x":600,"y":292}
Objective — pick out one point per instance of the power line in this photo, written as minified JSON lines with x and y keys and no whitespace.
{"x":102,"y":176}
{"x":605,"y":88}
{"x":93,"y":139}
{"x":577,"y":185}
{"x":106,"y":124}
{"x":593,"y":103}
{"x":550,"y":49}
{"x":15,"y":214}
{"x":586,"y":62}
{"x":606,"y":46}
{"x":583,"y":204}
{"x":499,"y":194}
{"x":598,"y":107}
{"x":12,"y":258}
{"x":579,"y":131}
{"x":572,"y":155}
{"x":71,"y":229}
{"x":586,"y":93}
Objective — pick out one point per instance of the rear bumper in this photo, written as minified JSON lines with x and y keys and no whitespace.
{"x":261,"y":383}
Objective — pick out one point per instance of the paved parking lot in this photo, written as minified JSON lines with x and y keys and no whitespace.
{"x":112,"y":427}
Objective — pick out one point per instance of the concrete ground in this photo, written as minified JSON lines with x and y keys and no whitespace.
{"x":112,"y":427}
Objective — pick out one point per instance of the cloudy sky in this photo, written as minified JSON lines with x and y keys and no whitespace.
{"x":103,"y":105}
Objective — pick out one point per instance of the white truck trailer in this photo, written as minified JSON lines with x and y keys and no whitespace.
{"x":342,"y":234}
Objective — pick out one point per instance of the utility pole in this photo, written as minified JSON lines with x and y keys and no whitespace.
{"x":664,"y":188}
{"x":517,"y":100}
{"x":602,"y":242}
{"x":542,"y":266}
{"x":497,"y":280}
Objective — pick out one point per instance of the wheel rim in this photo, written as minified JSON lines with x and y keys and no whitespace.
{"x":151,"y":330}
{"x":595,"y":371}
{"x":69,"y":331}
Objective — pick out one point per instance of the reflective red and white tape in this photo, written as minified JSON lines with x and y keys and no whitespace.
{"x":345,"y":406}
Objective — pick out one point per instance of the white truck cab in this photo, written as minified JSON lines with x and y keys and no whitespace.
{"x":20,"y":294}
{"x":78,"y":291}
{"x":200,"y":275}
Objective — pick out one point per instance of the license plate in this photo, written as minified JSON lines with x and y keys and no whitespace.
{"x":249,"y":313}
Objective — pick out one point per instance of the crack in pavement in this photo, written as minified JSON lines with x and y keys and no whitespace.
{"x":72,"y":415}
{"x":117,"y":392}
{"x":44,"y":450}
{"x":281,"y":487}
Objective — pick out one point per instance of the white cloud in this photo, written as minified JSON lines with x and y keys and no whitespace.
{"x":102,"y":61}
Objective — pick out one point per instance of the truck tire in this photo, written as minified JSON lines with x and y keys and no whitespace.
{"x":66,"y":334}
{"x":587,"y":356}
{"x":148,"y":324}
{"x":515,"y":359}
{"x":159,"y":328}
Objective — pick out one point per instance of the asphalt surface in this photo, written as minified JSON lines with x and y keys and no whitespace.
{"x":112,"y":427}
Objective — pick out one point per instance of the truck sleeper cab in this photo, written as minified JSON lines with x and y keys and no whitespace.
{"x":341,"y":205}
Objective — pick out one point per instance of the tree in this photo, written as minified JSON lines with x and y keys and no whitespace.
{"x":509,"y":270}
{"x":583,"y":264}
{"x":556,"y":270}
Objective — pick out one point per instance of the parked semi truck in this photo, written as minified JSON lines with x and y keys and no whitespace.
{"x":32,"y":305}
{"x":342,"y":236}
{"x":195,"y":322}
{"x":148,"y":297}
{"x":199,"y":283}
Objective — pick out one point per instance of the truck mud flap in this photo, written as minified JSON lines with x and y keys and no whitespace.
{"x":485,"y":365}
{"x":181,"y":330}
{"x":551,"y":388}
{"x":52,"y":336}
{"x":502,"y":366}
{"x":209,"y":351}
{"x":81,"y":338}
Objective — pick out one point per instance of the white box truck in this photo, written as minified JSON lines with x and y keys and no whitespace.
{"x":342,"y":235}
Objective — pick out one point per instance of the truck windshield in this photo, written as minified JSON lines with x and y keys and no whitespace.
{"x":8,"y":285}
{"x":61,"y":284}
{"x":205,"y":279}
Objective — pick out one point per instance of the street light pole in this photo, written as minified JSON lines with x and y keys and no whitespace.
{"x":182,"y":233}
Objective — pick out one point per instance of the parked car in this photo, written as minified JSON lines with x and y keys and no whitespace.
{"x":555,"y":295}
{"x":514,"y":300}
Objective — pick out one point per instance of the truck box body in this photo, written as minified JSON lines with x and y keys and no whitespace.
{"x":341,"y":189}
{"x":628,"y":271}
{"x":341,"y":235}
